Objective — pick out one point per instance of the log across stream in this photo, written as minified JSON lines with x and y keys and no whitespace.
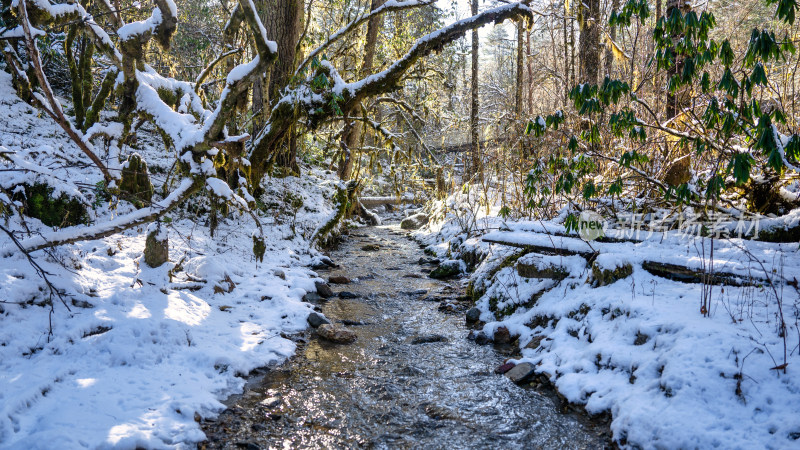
{"x":410,"y":380}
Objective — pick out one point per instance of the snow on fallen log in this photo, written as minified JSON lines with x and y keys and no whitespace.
{"x":660,"y":258}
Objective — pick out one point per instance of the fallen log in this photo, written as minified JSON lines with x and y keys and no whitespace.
{"x":688,"y":275}
{"x":543,"y":249}
{"x":670,"y":271}
{"x":370,"y":202}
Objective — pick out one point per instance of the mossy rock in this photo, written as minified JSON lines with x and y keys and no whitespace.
{"x":135,"y":183}
{"x":414,"y":222}
{"x":447,"y":269}
{"x":156,"y":246}
{"x":472,"y":258}
{"x":605,"y":277}
{"x":61,"y":211}
{"x":780,"y":234}
{"x":532,"y":268}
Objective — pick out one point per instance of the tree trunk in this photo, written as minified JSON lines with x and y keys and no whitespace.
{"x":352,"y":133}
{"x":474,"y":166}
{"x":566,"y":57}
{"x":590,"y":41}
{"x":676,"y":101}
{"x":571,"y":54}
{"x":520,"y":70}
{"x":283,"y":21}
{"x":613,"y":34}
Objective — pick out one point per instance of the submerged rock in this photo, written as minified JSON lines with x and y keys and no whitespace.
{"x":503,"y":368}
{"x":521,"y":373}
{"x":427,"y":339}
{"x":271,"y":402}
{"x":335,"y":334}
{"x":482,"y":338}
{"x":423,"y":261}
{"x":339,"y":279}
{"x":348,"y":294}
{"x":315,"y":320}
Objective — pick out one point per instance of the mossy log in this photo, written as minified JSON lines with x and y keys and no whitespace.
{"x":667,"y":270}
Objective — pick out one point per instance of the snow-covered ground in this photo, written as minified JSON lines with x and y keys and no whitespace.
{"x":640,"y":348}
{"x":141,"y":353}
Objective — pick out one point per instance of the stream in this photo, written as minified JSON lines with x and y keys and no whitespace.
{"x":410,"y":380}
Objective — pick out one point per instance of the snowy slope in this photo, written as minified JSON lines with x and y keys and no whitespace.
{"x":139,"y":356}
{"x":640,"y":348}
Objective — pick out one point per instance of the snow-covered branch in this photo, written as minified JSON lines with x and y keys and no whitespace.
{"x":390,"y":6}
{"x":187,"y":187}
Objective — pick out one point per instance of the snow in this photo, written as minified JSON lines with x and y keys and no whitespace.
{"x":639,"y":348}
{"x":134,"y":29}
{"x":271,"y":45}
{"x":140,"y":350}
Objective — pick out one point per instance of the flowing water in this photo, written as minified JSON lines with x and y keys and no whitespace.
{"x":391,"y":388}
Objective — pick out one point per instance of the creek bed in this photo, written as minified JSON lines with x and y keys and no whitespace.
{"x":411,"y":379}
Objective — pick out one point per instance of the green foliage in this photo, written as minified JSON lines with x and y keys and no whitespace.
{"x":54,"y":211}
{"x":734,"y":129}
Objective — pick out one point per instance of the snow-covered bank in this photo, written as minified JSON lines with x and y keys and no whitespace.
{"x":138,"y":356}
{"x":639,"y":347}
{"x":142,"y":352}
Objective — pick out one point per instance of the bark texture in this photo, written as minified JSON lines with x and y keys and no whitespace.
{"x":678,"y":100}
{"x":354,"y":129}
{"x":283,"y":21}
{"x":589,"y":41}
{"x":473,"y":168}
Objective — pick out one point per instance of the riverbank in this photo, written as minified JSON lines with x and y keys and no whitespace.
{"x":411,"y":379}
{"x":615,"y":339}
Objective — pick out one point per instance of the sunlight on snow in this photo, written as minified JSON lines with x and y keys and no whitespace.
{"x":186,"y":308}
{"x":86,"y":382}
{"x":139,"y":312}
{"x":119,"y":433}
{"x":251,"y":336}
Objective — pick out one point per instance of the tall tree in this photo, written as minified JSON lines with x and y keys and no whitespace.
{"x":589,"y":40}
{"x":520,"y":70}
{"x":474,"y":166}
{"x":678,"y":99}
{"x":612,"y":34}
{"x":354,"y":128}
{"x":283,"y":21}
